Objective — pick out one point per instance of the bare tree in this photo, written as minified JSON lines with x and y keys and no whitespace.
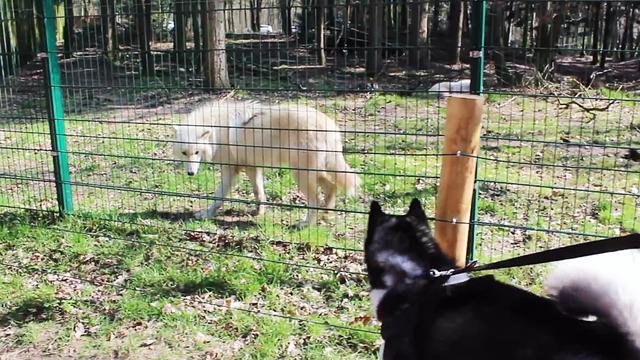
{"x":321,"y":7}
{"x":180,"y":35}
{"x":68,"y":28}
{"x":26,"y":41}
{"x":418,"y":34}
{"x":376,"y":26}
{"x":455,"y":29}
{"x":255,"y":8}
{"x":285,"y":15}
{"x":215,"y":62}
{"x":543,"y":57}
{"x":596,"y":11}
{"x":627,"y":32}
{"x":197,"y":37}
{"x":609,"y":23}
{"x":108,"y":23}
{"x":145,"y":36}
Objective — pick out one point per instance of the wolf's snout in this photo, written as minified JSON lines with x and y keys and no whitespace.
{"x":190,"y":173}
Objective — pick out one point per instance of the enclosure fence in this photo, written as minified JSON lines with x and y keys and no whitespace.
{"x":90,"y":94}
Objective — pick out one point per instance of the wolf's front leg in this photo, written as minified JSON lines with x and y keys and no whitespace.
{"x":229,"y":180}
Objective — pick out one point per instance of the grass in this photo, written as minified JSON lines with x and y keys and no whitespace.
{"x":157,"y":283}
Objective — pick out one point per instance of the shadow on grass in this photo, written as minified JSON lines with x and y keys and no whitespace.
{"x":29,"y":310}
{"x":31,"y":217}
{"x":226,"y":220}
{"x":188,"y":287}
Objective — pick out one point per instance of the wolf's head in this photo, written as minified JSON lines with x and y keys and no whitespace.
{"x":400,"y":250}
{"x":193,"y":144}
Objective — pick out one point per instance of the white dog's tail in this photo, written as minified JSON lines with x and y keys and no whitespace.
{"x":606,"y":286}
{"x":344,"y":176}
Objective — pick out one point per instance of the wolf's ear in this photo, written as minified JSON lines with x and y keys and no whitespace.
{"x":205,"y":135}
{"x":415,"y":210}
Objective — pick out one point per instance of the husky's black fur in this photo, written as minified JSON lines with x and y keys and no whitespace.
{"x":479,"y":319}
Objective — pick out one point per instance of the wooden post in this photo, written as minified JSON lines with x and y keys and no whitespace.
{"x":461,"y":136}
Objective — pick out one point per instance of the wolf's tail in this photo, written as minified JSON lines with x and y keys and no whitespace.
{"x":343,"y":175}
{"x":606,"y":286}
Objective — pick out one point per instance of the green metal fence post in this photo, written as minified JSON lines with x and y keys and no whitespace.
{"x":478,"y":16}
{"x":56,"y":112}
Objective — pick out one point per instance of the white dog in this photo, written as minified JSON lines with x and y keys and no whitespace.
{"x":248,"y":136}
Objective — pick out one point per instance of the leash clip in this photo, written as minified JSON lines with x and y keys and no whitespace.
{"x":437,"y":273}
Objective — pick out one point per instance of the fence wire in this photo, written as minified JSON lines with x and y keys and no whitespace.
{"x":559,"y":159}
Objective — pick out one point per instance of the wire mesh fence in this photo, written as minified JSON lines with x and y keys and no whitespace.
{"x":103,"y":83}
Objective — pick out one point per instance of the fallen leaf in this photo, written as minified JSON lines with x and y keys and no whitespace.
{"x":362,"y":319}
{"x":94,"y":329}
{"x":292,"y":350}
{"x":78,"y":330}
{"x":168,"y":309}
{"x":148,"y":342}
{"x":202,"y":338}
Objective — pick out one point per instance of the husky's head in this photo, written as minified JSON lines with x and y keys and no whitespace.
{"x":400,"y":250}
{"x":193,"y":144}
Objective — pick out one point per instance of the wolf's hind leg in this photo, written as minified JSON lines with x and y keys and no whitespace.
{"x":308,"y":184}
{"x":257,"y":182}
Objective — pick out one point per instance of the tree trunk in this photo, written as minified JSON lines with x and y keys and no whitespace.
{"x":609,"y":21}
{"x":596,"y":10}
{"x":320,"y":12}
{"x":39,"y":18}
{"x":197,"y":40}
{"x":404,"y":19}
{"x":435,"y":22}
{"x":7,"y":51}
{"x":106,"y":14}
{"x":25,"y":31}
{"x":525,"y":27}
{"x":466,"y":22}
{"x":331,"y":12}
{"x":68,"y":34}
{"x":180,"y":36}
{"x":305,"y":13}
{"x":543,"y":53}
{"x":585,"y":26}
{"x":320,"y":9}
{"x":418,"y":35}
{"x":113,"y":28}
{"x":497,"y":42}
{"x":376,"y":27}
{"x":215,"y":64}
{"x":255,"y":7}
{"x":455,"y":29}
{"x":628,"y":31}
{"x":143,"y":27}
{"x":285,"y":16}
{"x":633,"y":21}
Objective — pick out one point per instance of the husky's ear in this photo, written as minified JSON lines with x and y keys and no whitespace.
{"x":375,"y":209}
{"x":375,"y":212}
{"x":415,"y":210}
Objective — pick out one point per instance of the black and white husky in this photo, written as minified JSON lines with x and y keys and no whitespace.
{"x":593,"y":312}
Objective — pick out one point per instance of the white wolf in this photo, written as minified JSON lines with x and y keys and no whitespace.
{"x":446,"y":88}
{"x":248,"y":136}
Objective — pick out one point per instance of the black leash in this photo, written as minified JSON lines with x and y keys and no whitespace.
{"x":631,"y":241}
